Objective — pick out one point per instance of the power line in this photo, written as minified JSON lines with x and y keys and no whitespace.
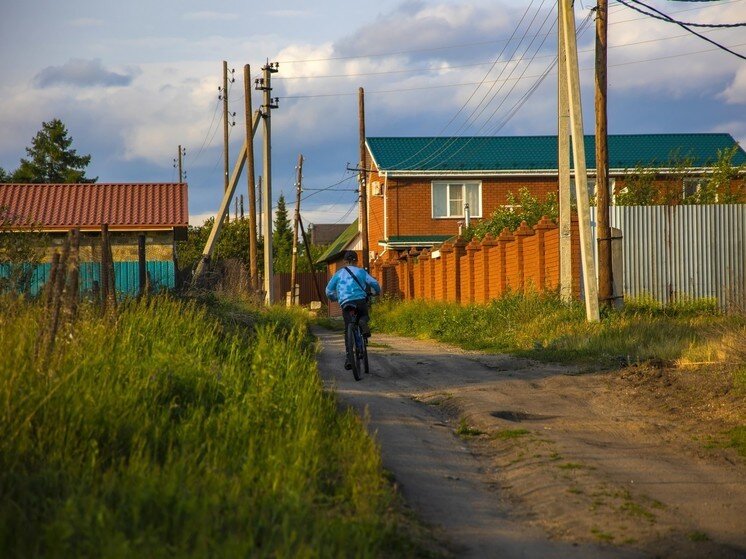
{"x":329,"y":187}
{"x":664,"y":17}
{"x":465,"y":45}
{"x":214,"y":114}
{"x":464,"y":84}
{"x":680,"y":24}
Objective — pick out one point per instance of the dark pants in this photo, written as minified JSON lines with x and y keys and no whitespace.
{"x":361,"y":306}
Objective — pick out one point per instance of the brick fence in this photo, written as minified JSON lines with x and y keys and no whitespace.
{"x":526,"y":259}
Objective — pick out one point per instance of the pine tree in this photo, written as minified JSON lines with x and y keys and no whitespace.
{"x":282,"y":238}
{"x":51,"y":159}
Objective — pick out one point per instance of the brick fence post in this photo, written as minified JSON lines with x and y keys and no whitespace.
{"x":423,"y":268}
{"x":501,"y":281}
{"x":459,"y":250}
{"x":446,"y":251}
{"x":411,"y":255}
{"x":520,"y":235}
{"x":541,"y":228}
{"x":488,"y":243}
{"x":468,"y":285}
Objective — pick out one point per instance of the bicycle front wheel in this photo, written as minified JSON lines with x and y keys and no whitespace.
{"x":351,"y":346}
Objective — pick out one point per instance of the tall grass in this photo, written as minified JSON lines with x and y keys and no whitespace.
{"x":163,"y":433}
{"x":542,"y":327}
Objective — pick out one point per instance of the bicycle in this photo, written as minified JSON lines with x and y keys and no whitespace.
{"x":356,"y":345}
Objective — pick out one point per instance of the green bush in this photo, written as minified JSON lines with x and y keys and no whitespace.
{"x":523,"y":207}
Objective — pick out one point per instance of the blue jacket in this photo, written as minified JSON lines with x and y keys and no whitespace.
{"x":343,"y":288}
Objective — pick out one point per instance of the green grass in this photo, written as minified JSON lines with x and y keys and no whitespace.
{"x":465,"y":431}
{"x":506,"y":434}
{"x":737,"y":439}
{"x":174,"y":430}
{"x":697,"y":536}
{"x":542,"y":327}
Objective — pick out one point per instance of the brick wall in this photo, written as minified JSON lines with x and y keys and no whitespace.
{"x":526,"y":259}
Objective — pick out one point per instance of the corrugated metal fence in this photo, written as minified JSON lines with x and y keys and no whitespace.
{"x":675,"y":252}
{"x":304,"y":281}
{"x":162,"y":276}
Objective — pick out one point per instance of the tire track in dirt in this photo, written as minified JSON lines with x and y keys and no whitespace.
{"x":550,"y":463}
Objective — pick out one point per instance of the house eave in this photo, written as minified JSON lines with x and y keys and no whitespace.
{"x":529,"y":172}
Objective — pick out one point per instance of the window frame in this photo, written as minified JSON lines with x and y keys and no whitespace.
{"x":463,"y":184}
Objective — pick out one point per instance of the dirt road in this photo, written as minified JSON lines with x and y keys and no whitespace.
{"x":512,"y":458}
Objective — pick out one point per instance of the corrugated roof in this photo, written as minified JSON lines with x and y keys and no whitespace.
{"x":339,"y":244}
{"x":325,"y":233}
{"x":121,"y":205}
{"x":533,"y":153}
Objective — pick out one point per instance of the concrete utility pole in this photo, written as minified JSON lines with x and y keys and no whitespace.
{"x":563,"y":169}
{"x":296,"y":219}
{"x":264,"y":84}
{"x":603,"y":229}
{"x":362,"y":180}
{"x":250,"y":173}
{"x":224,"y":97}
{"x":581,"y":174}
{"x":182,"y":152}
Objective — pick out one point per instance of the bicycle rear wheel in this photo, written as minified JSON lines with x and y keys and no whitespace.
{"x":352,"y":350}
{"x":366,"y":366}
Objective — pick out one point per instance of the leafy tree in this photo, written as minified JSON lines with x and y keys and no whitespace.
{"x":4,"y":176}
{"x":639,"y":188}
{"x":523,"y":207}
{"x":282,"y":238}
{"x":727,"y":182}
{"x":51,"y":159}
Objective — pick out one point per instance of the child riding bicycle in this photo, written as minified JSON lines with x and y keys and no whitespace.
{"x":350,"y":286}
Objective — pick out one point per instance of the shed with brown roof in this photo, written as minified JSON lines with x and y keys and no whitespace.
{"x":159,"y":211}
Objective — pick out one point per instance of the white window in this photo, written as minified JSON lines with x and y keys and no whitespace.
{"x":450,"y":198}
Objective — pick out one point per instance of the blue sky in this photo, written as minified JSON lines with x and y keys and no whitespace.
{"x":134,"y":80}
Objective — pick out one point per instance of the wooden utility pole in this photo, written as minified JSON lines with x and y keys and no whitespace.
{"x":226,"y":161}
{"x":268,"y":104}
{"x":563,"y":169}
{"x":250,"y":172}
{"x":362,"y":180}
{"x":296,"y":219}
{"x":224,"y":205}
{"x":319,"y":293}
{"x":578,"y":151}
{"x":603,"y":229}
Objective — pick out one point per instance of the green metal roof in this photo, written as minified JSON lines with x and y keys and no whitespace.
{"x":338,"y":246}
{"x":533,"y":153}
{"x":416,"y":240}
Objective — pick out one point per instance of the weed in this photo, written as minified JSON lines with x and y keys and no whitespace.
{"x":638,"y":511}
{"x":738,"y":439}
{"x":506,"y":434}
{"x":465,"y":431}
{"x":174,"y":429}
{"x":698,"y":536}
{"x":601,"y":535}
{"x":575,"y":491}
{"x":571,"y":466}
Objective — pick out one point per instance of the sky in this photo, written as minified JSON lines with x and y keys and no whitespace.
{"x":133,"y":80}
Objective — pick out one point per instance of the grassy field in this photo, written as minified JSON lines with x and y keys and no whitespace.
{"x":542,"y":327}
{"x":172,"y":429}
{"x":694,"y":338}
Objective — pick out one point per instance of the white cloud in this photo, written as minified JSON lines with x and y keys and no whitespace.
{"x":287,"y":13}
{"x":209,"y":16}
{"x":735,"y":93}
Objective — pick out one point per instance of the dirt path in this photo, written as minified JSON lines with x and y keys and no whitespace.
{"x":512,"y":458}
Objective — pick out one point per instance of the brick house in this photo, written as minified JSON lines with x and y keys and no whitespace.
{"x":418,"y":186}
{"x":159,"y":211}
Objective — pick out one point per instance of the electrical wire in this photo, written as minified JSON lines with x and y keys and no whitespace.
{"x":466,"y":45}
{"x":455,"y":137}
{"x":666,"y":18}
{"x":214,"y":114}
{"x":680,"y":24}
{"x":326,"y":188}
